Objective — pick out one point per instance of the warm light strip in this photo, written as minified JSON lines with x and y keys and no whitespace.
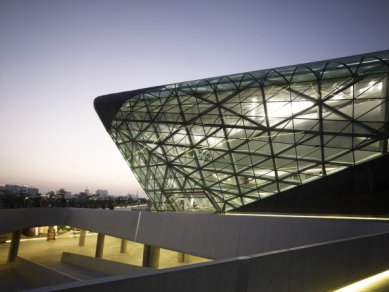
{"x":309,"y":216}
{"x":372,"y":283}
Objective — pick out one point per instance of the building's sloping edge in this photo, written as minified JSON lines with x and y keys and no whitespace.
{"x":107,"y":106}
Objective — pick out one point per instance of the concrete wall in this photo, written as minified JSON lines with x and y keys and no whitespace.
{"x":320,"y":267}
{"x":101,"y":265}
{"x":17,"y":219}
{"x":217,"y":236}
{"x":39,"y":276}
{"x":205,"y":235}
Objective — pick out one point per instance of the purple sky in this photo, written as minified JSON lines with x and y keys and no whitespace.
{"x":57,"y":56}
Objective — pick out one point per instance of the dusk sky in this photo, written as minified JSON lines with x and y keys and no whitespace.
{"x":57,"y":56}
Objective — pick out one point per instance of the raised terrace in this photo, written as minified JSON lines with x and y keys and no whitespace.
{"x":247,"y":252}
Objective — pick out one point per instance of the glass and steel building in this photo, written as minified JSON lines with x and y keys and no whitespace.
{"x":221,"y":143}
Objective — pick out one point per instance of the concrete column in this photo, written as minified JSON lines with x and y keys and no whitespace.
{"x":100,"y":245}
{"x":81,"y":241}
{"x":14,"y":248}
{"x":51,"y":233}
{"x":183,"y":257}
{"x":180,"y":257}
{"x":151,"y":256}
{"x":123,"y":246}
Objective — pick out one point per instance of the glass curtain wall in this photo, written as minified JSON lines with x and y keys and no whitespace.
{"x":220,"y":143}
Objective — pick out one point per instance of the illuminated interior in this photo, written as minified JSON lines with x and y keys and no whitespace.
{"x":220,"y":143}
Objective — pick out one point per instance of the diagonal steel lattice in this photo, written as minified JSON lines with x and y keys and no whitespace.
{"x":221,"y":143}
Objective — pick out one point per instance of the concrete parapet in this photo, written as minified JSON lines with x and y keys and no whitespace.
{"x":101,"y":265}
{"x":206,"y":235}
{"x":319,"y":267}
{"x":39,"y":276}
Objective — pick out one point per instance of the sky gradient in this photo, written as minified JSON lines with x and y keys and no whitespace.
{"x":57,"y":56}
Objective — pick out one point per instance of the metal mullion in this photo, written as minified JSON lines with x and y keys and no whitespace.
{"x":222,"y":180}
{"x":344,"y":152}
{"x":149,"y":121}
{"x":195,"y":146}
{"x":163,"y":151}
{"x":189,"y":122}
{"x":232,"y":126}
{"x":234,"y":112}
{"x":294,"y":146}
{"x":251,"y":176}
{"x":346,"y":117}
{"x":282,"y":151}
{"x":233,"y":150}
{"x":214,"y":105}
{"x":228,"y":143}
{"x":162,"y":190}
{"x":339,"y":134}
{"x":253,"y":166}
{"x":202,"y":169}
{"x":302,"y":170}
{"x":295,"y":115}
{"x":128,"y":138}
{"x":354,"y":81}
{"x":205,"y":165}
{"x":260,"y":187}
{"x":269,"y":137}
{"x":153,"y":121}
{"x":344,"y":104}
{"x":227,"y":192}
{"x":209,"y":193}
{"x":321,"y":127}
{"x":366,"y":143}
{"x":129,"y":141}
{"x":347,"y":151}
{"x":265,"y":155}
{"x":243,"y":117}
{"x":245,"y":140}
{"x":344,"y":134}
{"x":386,"y":121}
{"x":195,"y":154}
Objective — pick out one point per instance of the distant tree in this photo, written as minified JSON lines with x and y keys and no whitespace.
{"x":61,"y":192}
{"x":10,"y":200}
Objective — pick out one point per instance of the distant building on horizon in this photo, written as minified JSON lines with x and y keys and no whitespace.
{"x":102,"y":194}
{"x":21,"y":189}
{"x":62,"y":192}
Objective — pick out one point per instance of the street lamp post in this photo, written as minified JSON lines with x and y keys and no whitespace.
{"x":24,"y":202}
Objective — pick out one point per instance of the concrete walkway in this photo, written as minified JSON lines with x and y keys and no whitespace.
{"x":48,"y":253}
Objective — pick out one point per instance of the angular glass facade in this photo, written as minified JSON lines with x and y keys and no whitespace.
{"x":220,"y":143}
